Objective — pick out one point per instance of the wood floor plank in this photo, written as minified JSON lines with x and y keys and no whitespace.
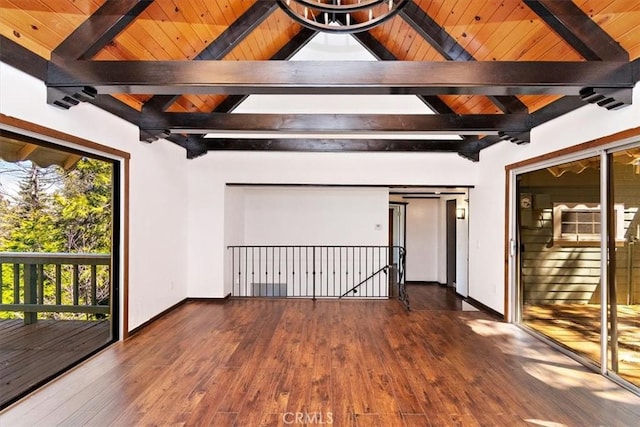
{"x":359,"y":363}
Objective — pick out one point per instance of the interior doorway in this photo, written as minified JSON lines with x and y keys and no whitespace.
{"x":451,"y":242}
{"x":397,"y":226}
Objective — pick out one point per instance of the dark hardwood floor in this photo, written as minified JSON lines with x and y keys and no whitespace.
{"x":344,"y":363}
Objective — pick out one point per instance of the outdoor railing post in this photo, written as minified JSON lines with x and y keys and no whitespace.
{"x":30,"y":292}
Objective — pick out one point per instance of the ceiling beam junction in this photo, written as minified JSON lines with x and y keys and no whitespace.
{"x":451,"y":50}
{"x":221,"y":46}
{"x":578,"y":30}
{"x":99,"y":29}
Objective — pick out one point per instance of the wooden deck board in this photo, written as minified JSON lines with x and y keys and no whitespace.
{"x":577,"y":326}
{"x":31,"y":353}
{"x":250,"y":362}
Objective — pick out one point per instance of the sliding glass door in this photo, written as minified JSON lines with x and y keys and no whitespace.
{"x":577,"y":263}
{"x":559,"y":229}
{"x":59,"y":256}
{"x":624,"y":267}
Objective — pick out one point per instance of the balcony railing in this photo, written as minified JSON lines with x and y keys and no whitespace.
{"x":317,"y":271}
{"x":55,"y":282}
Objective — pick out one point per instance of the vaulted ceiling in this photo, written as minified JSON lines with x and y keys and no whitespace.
{"x":491,"y":69}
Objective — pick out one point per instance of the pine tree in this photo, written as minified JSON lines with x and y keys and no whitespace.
{"x":29,"y":225}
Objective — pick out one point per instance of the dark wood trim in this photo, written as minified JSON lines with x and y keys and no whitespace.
{"x":245,"y":184}
{"x":54,"y":134}
{"x":163,"y":313}
{"x":174,"y":307}
{"x":482,"y":307}
{"x":99,"y":29}
{"x":507,"y":249}
{"x":330,"y":145}
{"x":12,"y":123}
{"x":578,"y":30}
{"x":343,"y":77}
{"x":472,"y":124}
{"x":11,"y":53}
{"x":424,"y":283}
{"x":125,"y":248}
{"x":223,"y":299}
{"x":605,"y":140}
{"x":451,"y":50}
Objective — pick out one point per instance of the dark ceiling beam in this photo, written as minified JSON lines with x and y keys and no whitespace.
{"x":554,"y":110}
{"x":331,"y":145}
{"x":294,"y":45}
{"x":11,"y":53}
{"x":451,"y":50}
{"x":34,"y":65}
{"x":222,"y":45}
{"x":187,"y":123}
{"x":578,"y":30}
{"x":99,"y":29}
{"x":217,"y":50}
{"x":381,"y":53}
{"x":343,"y":77}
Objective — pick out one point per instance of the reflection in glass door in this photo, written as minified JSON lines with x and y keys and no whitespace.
{"x":558,"y":226}
{"x":624,"y":269}
{"x":58,"y":260}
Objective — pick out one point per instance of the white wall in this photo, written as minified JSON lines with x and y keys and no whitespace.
{"x":208,"y":176}
{"x":158,"y":200}
{"x":487,"y":199}
{"x":424,"y":245}
{"x":185,"y":229}
{"x":316,"y":216}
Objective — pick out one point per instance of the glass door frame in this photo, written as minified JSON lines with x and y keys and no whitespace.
{"x":513,"y":291}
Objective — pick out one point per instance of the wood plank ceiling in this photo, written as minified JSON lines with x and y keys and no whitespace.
{"x":588,"y":49}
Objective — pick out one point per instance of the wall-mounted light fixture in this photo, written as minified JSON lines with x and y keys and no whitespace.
{"x":461,"y":213}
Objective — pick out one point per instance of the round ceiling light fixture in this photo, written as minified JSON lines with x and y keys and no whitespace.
{"x":341,"y":16}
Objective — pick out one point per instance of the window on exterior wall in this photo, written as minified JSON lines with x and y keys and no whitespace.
{"x":580,"y":224}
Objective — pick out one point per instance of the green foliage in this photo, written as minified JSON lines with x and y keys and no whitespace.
{"x":57,"y":211}
{"x":83,"y":207}
{"x":30,"y":224}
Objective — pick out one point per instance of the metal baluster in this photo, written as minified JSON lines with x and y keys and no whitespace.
{"x":253,"y":273}
{"x":334,"y":270}
{"x":246,"y":271}
{"x":314,"y":273}
{"x":279,"y":268}
{"x":359,"y":264}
